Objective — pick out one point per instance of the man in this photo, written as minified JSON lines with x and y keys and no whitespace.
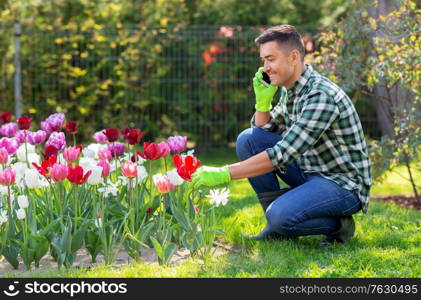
{"x":312,"y":139}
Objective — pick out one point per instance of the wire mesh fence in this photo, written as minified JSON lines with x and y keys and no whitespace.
{"x":186,"y":80}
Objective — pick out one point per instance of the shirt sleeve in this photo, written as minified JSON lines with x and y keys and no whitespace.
{"x":276,"y":123}
{"x":317,"y":115}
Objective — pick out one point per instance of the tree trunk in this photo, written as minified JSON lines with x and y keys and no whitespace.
{"x":386,"y":98}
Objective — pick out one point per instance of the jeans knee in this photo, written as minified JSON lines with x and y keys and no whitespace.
{"x":279,"y":221}
{"x":242,"y":144}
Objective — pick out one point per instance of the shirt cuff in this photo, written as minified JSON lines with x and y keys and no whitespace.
{"x":276,"y":159}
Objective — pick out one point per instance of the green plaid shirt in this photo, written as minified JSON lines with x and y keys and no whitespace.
{"x":322,"y":132}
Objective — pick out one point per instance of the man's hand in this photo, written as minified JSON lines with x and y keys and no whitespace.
{"x":264,"y":95}
{"x":211,"y":176}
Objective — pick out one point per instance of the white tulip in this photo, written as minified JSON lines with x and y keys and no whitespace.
{"x":3,"y":217}
{"x":33,"y":158}
{"x":92,"y":150}
{"x":20,"y":213}
{"x":23,"y":201}
{"x":87,"y":163}
{"x":141,"y":174}
{"x":95,"y":177}
{"x":174,"y":177}
{"x":32,"y":179}
{"x":19,"y":168}
{"x":3,"y":190}
{"x":21,"y":152}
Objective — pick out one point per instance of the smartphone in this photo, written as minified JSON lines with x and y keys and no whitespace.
{"x":265,"y":80}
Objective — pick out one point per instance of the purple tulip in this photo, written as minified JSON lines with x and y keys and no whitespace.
{"x":177,"y":143}
{"x":9,"y":129}
{"x":119,"y":148}
{"x":53,"y":123}
{"x":10,"y":144}
{"x":37,"y":137}
{"x":56,"y":139}
{"x":100,"y":137}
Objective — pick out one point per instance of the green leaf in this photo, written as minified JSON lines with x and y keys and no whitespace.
{"x":40,"y":246}
{"x":77,"y":240}
{"x":157,"y":248}
{"x":169,"y":251}
{"x":11,"y":254}
{"x":93,"y":243}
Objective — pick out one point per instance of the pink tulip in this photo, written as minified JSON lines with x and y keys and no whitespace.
{"x":100,"y":137}
{"x":9,"y":129}
{"x":4,"y":156}
{"x":56,"y":139}
{"x":105,"y":168}
{"x":53,"y":123}
{"x":71,"y":154}
{"x":22,"y":136}
{"x":177,"y":143}
{"x":10,"y":144}
{"x":162,"y":183}
{"x":7,"y":177}
{"x":129,"y":169}
{"x":105,"y":154}
{"x":164,"y":148}
{"x":59,"y":172}
{"x":37,"y":137}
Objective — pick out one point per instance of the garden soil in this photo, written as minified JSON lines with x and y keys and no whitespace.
{"x":83,"y":259}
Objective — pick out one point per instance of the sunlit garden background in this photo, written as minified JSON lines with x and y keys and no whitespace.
{"x":108,"y":108}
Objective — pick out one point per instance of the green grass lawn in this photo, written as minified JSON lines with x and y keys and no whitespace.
{"x":387,"y":244}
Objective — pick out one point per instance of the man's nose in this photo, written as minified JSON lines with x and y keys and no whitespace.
{"x":266,"y":67}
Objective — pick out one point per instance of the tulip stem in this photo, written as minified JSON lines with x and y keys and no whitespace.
{"x":165,"y":163}
{"x":11,"y":227}
{"x":115,"y":157}
{"x":74,"y":139}
{"x":150,"y":177}
{"x":26,"y":151}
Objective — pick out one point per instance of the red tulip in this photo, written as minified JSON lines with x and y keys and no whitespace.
{"x":44,"y":169}
{"x":76,"y":176}
{"x":50,"y":151}
{"x":132,"y":136}
{"x":150,"y":151}
{"x":186,"y":166}
{"x":5,"y":117}
{"x":24,"y":122}
{"x":71,"y":127}
{"x":112,"y":134}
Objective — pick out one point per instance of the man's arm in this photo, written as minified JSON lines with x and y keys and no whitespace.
{"x":261,"y":118}
{"x":256,"y":165}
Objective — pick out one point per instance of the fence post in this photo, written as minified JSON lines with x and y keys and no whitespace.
{"x":17,"y":78}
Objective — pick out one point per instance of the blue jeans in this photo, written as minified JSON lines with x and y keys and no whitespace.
{"x":312,"y":206}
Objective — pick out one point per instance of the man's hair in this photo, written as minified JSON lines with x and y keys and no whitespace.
{"x":284,"y":35}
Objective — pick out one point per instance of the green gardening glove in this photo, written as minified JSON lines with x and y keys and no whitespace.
{"x":211,"y":176}
{"x":264,"y":95}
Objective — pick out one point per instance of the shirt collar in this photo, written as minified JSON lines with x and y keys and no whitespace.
{"x":301,"y":82}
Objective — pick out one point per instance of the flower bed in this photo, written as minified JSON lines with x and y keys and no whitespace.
{"x":57,"y":198}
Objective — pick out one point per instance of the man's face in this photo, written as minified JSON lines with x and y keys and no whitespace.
{"x":278,"y":63}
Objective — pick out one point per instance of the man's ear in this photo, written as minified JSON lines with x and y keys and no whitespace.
{"x":295,"y":56}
